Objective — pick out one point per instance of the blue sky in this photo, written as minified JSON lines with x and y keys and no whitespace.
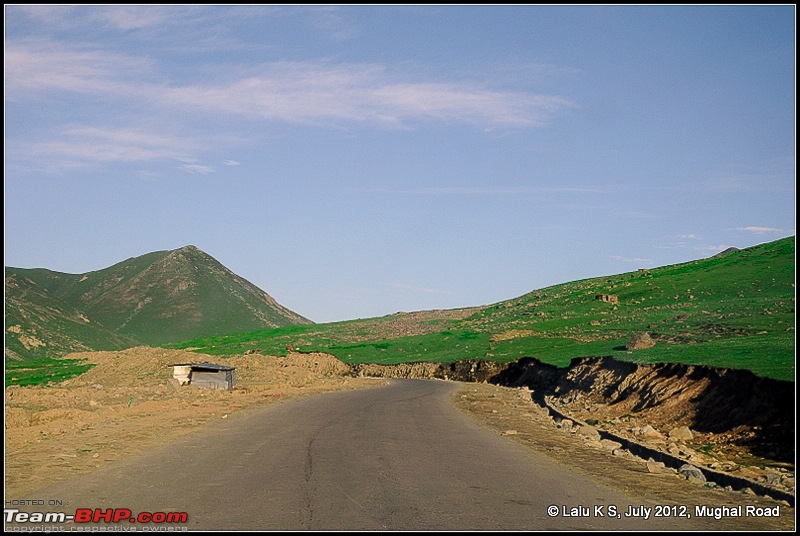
{"x":358,"y":161}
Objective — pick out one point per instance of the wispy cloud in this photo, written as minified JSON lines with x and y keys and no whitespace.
{"x":47,"y":14}
{"x":318,"y":93}
{"x":121,"y":18}
{"x":294,"y":92}
{"x":637,"y":260}
{"x":232,"y":163}
{"x":102,"y":145}
{"x":43,"y":66}
{"x":131,"y":17}
{"x":760,"y":230}
{"x":326,"y":94}
{"x":681,"y":243}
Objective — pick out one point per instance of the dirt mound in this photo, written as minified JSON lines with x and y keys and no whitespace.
{"x":318,"y":363}
{"x":128,"y":402}
{"x":140,"y":366}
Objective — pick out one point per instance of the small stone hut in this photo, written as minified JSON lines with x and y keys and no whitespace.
{"x":608,"y":298}
{"x":204,"y":375}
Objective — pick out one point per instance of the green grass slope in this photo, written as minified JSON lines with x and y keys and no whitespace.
{"x":43,"y":371}
{"x":160,"y":297}
{"x":734,"y":310}
{"x":39,"y":325}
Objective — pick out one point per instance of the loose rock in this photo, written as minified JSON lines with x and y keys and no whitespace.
{"x":692,"y":473}
{"x":681,"y":433}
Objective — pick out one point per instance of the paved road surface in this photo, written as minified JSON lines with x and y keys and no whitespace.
{"x":391,"y":458}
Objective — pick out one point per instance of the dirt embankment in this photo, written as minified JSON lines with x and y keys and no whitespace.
{"x":472,"y":370}
{"x":129,"y":403}
{"x":734,"y":406}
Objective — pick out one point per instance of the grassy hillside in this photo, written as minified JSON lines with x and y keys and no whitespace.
{"x":156,"y":298}
{"x":39,"y":325}
{"x":734,"y":310}
{"x":43,"y":371}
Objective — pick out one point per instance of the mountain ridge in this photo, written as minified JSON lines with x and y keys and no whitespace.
{"x":155,"y":298}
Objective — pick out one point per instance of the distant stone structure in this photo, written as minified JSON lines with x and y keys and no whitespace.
{"x":608,"y":298}
{"x":204,"y":375}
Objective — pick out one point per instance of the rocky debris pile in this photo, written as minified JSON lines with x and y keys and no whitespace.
{"x":681,"y":460}
{"x":640,"y":341}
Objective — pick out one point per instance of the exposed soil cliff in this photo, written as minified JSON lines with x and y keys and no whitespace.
{"x":736,"y":405}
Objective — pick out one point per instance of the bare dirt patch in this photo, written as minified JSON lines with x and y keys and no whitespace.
{"x":511,"y":413}
{"x":129,"y":403}
{"x":408,"y":324}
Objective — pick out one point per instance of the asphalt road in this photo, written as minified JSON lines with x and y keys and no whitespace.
{"x":393,"y":458}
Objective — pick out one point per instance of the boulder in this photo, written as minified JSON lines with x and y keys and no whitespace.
{"x":649,"y":432}
{"x":590,"y":432}
{"x":692,"y":473}
{"x":610,"y":445}
{"x":640,"y":341}
{"x":658,"y":468}
{"x":681,"y":433}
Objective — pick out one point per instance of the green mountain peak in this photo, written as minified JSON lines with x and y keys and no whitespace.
{"x":159,"y":297}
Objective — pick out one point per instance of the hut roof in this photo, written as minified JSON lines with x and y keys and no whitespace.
{"x":203,"y":366}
